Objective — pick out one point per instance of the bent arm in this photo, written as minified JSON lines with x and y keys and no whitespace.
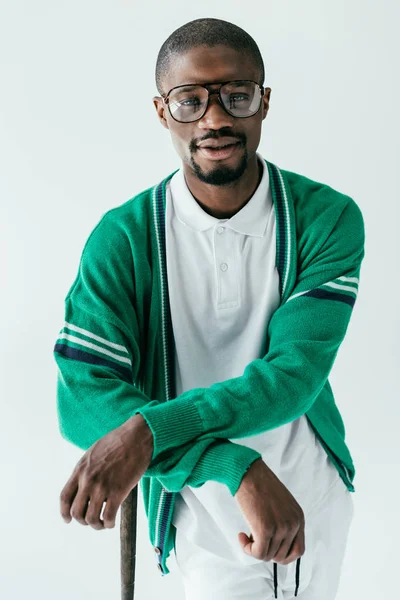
{"x":98,"y":359}
{"x":304,"y":334}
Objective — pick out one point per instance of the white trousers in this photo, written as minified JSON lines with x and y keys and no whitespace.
{"x":208,"y":576}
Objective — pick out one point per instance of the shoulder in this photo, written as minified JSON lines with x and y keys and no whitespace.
{"x":130,"y":215}
{"x":309,"y":194}
{"x":121,"y":228}
{"x":318,"y":205}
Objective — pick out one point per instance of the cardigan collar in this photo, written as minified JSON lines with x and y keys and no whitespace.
{"x":286,"y":243}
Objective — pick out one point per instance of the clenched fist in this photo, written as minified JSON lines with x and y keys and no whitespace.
{"x":275,"y":518}
{"x":107,"y":472}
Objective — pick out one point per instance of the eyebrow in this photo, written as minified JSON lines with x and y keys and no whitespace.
{"x":187,"y":86}
{"x":237,"y":83}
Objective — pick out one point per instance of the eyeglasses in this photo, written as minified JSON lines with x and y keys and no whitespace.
{"x":240,"y":98}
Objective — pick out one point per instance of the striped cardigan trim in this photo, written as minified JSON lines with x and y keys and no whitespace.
{"x":86,"y":346}
{"x":343,"y":289}
{"x":89,"y":334}
{"x":93,"y":359}
{"x":286,"y":254}
{"x":286,"y":263}
{"x":165,"y":504}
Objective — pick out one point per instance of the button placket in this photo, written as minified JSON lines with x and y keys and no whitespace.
{"x":226,"y":268}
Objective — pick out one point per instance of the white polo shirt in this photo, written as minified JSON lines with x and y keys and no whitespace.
{"x":223,"y":289}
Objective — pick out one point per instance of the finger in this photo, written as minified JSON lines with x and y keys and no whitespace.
{"x":244,"y":541}
{"x":296,"y":549}
{"x":257,"y":548}
{"x":79,"y":507}
{"x":285,"y":548}
{"x":261,"y":546}
{"x":275,"y":546}
{"x":94,"y":509}
{"x":110,"y":512}
{"x":67,"y":497}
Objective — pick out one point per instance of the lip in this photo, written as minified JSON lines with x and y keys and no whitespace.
{"x":224,"y":141}
{"x":214,"y":153}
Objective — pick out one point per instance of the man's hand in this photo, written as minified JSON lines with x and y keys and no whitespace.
{"x":275,"y":518}
{"x":107,"y":472}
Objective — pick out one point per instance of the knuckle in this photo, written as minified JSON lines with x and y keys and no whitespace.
{"x":110,"y":511}
{"x":301,"y":517}
{"x":77,"y":516}
{"x":268,"y":533}
{"x":279,"y":558}
{"x":93,"y":475}
{"x":64,"y":496}
{"x":96,"y":525}
{"x":291,"y":558}
{"x":267,"y":557}
{"x":89,"y":475}
{"x":283,"y":529}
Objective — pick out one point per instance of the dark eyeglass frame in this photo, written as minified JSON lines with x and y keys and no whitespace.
{"x":165,"y":97}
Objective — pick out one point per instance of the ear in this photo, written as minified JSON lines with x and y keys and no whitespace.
{"x":161,"y":110}
{"x":265,"y":104}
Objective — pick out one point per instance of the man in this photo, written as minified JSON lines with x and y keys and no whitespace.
{"x":199,"y":335}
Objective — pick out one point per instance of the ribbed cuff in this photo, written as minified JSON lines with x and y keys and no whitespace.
{"x":172,"y":423}
{"x":226,"y":462}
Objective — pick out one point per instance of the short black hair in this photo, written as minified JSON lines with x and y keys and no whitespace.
{"x":208,"y":32}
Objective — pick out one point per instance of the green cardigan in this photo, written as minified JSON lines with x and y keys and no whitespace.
{"x":115,"y":352}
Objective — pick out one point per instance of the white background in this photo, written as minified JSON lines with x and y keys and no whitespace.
{"x":79,"y":135}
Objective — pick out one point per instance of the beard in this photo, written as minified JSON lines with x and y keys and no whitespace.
{"x":221,"y":175}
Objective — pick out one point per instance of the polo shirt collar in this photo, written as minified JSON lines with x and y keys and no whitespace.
{"x":250,"y":220}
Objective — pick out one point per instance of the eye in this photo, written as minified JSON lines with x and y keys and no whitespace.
{"x":194,"y":101}
{"x":238,"y":97}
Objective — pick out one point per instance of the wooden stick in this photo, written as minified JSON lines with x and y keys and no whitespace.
{"x":128,"y":545}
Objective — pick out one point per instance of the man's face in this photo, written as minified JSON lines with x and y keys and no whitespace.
{"x":214,"y":65}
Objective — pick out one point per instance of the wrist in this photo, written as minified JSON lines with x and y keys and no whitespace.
{"x":147,"y":433}
{"x":248,"y":478}
{"x":139,"y":426}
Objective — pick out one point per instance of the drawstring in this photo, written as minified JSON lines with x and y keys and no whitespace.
{"x":297,"y":576}
{"x":276,"y":578}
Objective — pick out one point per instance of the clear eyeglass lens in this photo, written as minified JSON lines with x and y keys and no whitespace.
{"x":241,"y":99}
{"x":187,"y":102}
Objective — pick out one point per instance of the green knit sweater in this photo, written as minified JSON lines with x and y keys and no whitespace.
{"x":115,"y":352}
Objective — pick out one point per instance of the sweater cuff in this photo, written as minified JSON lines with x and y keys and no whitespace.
{"x":171,"y":421}
{"x":225,"y":462}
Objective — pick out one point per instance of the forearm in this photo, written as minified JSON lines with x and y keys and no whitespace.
{"x":304,"y":336}
{"x":92,"y":400}
{"x":272,"y":392}
{"x":196,"y":463}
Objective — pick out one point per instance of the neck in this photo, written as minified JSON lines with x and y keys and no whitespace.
{"x":223,"y":202}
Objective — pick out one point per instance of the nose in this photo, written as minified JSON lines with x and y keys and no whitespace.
{"x":215,"y":116}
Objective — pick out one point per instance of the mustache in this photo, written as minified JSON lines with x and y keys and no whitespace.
{"x":216,"y":135}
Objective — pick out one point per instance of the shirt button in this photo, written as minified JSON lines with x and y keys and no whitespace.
{"x":160,"y":568}
{"x":157,"y":550}
{"x":223,"y":267}
{"x":220,"y":230}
